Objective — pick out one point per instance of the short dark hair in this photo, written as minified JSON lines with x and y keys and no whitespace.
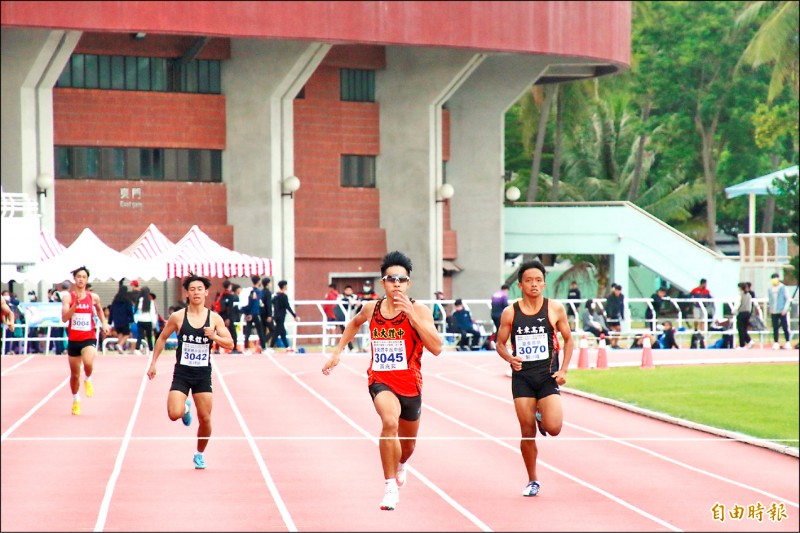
{"x":775,"y":275}
{"x":255,"y":279}
{"x":194,"y":277}
{"x":266,"y":281}
{"x":395,"y":258}
{"x":703,"y":280}
{"x":529,"y":265}
{"x":226,"y":284}
{"x":282,"y":283}
{"x":79,"y":269}
{"x":503,"y":287}
{"x":458,"y":302}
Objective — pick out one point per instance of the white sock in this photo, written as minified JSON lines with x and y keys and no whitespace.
{"x":185,"y":408}
{"x":390,"y":482}
{"x":88,"y":378}
{"x":76,"y":397}
{"x":401,"y":467}
{"x":199,"y":453}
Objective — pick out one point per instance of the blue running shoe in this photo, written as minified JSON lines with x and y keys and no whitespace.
{"x":539,"y":424}
{"x":187,"y":416}
{"x":199,"y":462}
{"x":532,"y":489}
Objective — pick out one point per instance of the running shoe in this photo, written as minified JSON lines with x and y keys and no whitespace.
{"x":76,"y":407}
{"x":787,"y":346}
{"x":187,"y":416}
{"x":539,"y":424}
{"x":401,"y":478}
{"x":390,"y":498}
{"x":199,"y":462}
{"x":532,"y":489}
{"x":89,"y":389}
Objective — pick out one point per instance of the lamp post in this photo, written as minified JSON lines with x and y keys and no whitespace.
{"x":44,"y":182}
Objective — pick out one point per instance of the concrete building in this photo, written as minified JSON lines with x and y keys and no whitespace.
{"x":211,"y":113}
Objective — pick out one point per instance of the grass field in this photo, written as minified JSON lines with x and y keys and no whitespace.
{"x":759,"y":400}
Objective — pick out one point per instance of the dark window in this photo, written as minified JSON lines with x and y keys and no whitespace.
{"x":357,"y":85}
{"x":143,"y":74}
{"x":158,"y":73}
{"x":131,"y":66}
{"x":117,"y":72}
{"x":90,"y":67}
{"x":214,"y":77}
{"x":65,"y":80}
{"x":78,"y":75}
{"x":104,"y":71}
{"x":358,"y":171}
{"x":63,"y":162}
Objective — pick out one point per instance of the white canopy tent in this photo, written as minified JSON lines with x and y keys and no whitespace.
{"x":152,"y":246}
{"x":196,"y":252}
{"x":761,"y":185}
{"x":49,"y":247}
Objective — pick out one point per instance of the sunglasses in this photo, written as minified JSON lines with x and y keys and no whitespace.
{"x":397,"y":279}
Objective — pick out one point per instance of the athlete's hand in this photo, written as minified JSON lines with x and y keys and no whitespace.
{"x":151,"y":372}
{"x":209,"y":331}
{"x":560,"y":376}
{"x":330,"y":363}
{"x":516,"y":363}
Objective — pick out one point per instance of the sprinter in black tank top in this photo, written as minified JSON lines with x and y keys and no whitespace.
{"x":198,"y":328}
{"x":531,"y":324}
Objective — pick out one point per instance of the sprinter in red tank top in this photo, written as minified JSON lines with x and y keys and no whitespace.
{"x":399,"y":329}
{"x":78,"y":309}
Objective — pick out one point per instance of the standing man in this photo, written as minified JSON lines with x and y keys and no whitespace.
{"x":252,"y":316}
{"x":79,"y":308}
{"x":700,"y":292}
{"x":399,"y":328}
{"x":615,"y":312}
{"x":198,"y":327}
{"x":280,"y":306}
{"x":229,"y":310}
{"x":266,"y":307}
{"x":574,"y":293}
{"x":779,"y":303}
{"x":499,"y":302}
{"x":532,"y":324}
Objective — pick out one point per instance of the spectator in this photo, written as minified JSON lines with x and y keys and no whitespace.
{"x":121,"y":317}
{"x":499,"y":302}
{"x":462,"y":320}
{"x":700,"y":292}
{"x":146,"y":318}
{"x":59,"y":344}
{"x":743,"y":312}
{"x":439,"y":312}
{"x":592,"y":320}
{"x":133,"y":291}
{"x":331,"y":295}
{"x":367,"y":294}
{"x":350,"y":305}
{"x":574,"y":293}
{"x":615,"y":312}
{"x":658,"y":300}
{"x":252,"y":316}
{"x":281,"y":306}
{"x":266,"y":307}
{"x":229,"y":310}
{"x":779,"y":303}
{"x":666,"y":339}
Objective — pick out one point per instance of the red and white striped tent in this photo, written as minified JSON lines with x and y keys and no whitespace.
{"x":150,"y":245}
{"x":49,"y":247}
{"x":198,"y":253}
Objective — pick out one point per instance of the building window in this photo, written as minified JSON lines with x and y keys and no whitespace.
{"x":357,"y":85}
{"x":358,"y":171}
{"x":132,"y":73}
{"x":150,"y":164}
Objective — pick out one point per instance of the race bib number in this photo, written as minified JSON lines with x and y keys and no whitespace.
{"x":389,"y":354}
{"x":195,"y":354}
{"x":532,"y":347}
{"x":81,"y":322}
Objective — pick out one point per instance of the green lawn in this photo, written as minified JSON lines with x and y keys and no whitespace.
{"x":759,"y":400}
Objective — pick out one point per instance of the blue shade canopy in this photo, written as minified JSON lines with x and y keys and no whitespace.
{"x":761,"y":185}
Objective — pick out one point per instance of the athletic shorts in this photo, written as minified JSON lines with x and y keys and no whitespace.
{"x":533,"y":383}
{"x":74,"y":348}
{"x":124,"y":329}
{"x":613,"y":322}
{"x":185,"y":380}
{"x":410,"y":406}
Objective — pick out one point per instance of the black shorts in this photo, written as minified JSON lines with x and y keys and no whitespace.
{"x":613,"y":322}
{"x":533,"y":383}
{"x":123,"y":329}
{"x":185,"y":379}
{"x":74,"y":348}
{"x":410,"y":406}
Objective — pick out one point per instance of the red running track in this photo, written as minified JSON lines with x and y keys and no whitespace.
{"x":294,"y":450}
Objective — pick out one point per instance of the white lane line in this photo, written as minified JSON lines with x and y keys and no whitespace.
{"x":112,"y":480}
{"x":625,"y":442}
{"x":273,"y":489}
{"x":33,"y":409}
{"x":13,"y":367}
{"x":442,"y":494}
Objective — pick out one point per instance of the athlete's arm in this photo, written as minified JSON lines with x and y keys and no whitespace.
{"x":557,"y":310}
{"x":218,"y":333}
{"x":501,"y":338}
{"x":421,"y":318}
{"x":100,"y":313}
{"x":68,"y":307}
{"x":172,"y":325}
{"x":348,"y":334}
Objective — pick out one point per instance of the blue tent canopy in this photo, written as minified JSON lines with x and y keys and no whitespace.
{"x":761,"y":185}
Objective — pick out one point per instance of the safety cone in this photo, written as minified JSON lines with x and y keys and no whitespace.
{"x":602,"y":358}
{"x":583,"y":355}
{"x":647,"y":353}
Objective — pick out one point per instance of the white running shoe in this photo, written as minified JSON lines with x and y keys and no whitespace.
{"x":390,"y":498}
{"x":787,"y":346}
{"x":776,"y":346}
{"x":531,"y":489}
{"x":401,"y":478}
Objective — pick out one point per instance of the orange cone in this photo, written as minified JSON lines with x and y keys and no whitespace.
{"x":647,"y":353}
{"x":602,"y":358}
{"x":583,"y":355}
